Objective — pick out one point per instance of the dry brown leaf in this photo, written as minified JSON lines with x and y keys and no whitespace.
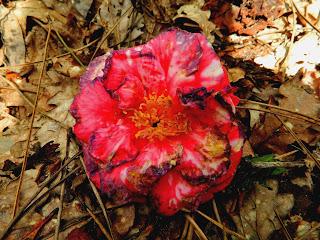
{"x":111,"y":11}
{"x":236,"y":74}
{"x":248,"y":18}
{"x":124,"y":219}
{"x":300,"y":98}
{"x":7,"y":197}
{"x":12,"y":36}
{"x":257,"y":213}
{"x":195,"y":13}
{"x":83,"y":6}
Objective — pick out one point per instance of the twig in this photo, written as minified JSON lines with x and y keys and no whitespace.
{"x":307,"y":234}
{"x":15,"y":87}
{"x":110,"y":31}
{"x":216,"y":213}
{"x":185,"y":230}
{"x":97,"y":195}
{"x":315,"y":120}
{"x":190,"y":231}
{"x":62,"y":190}
{"x":304,"y":18}
{"x":278,"y":114}
{"x":219,"y":225}
{"x":24,"y":164}
{"x":285,"y":230}
{"x":69,"y":50}
{"x":278,"y":164}
{"x":31,"y":201}
{"x":100,"y":225}
{"x":196,"y":227}
{"x":285,"y":155}
{"x":284,"y":63}
{"x":50,"y":59}
{"x":304,"y":148}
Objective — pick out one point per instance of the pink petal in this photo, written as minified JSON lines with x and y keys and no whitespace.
{"x":131,"y":72}
{"x":93,"y":108}
{"x":113,"y":145}
{"x":172,"y":192}
{"x":199,"y":161}
{"x":188,"y":61}
{"x":96,"y":69}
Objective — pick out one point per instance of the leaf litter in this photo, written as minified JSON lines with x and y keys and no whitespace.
{"x":275,"y":192}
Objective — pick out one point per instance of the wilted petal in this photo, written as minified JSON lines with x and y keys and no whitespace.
{"x":93,"y":108}
{"x":172,"y":192}
{"x":113,"y":145}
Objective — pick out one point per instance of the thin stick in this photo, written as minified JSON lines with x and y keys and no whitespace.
{"x":96,"y":193}
{"x":285,"y":230}
{"x":285,"y":155}
{"x":278,"y":114}
{"x":24,"y":164}
{"x":219,"y":225}
{"x":304,"y":148}
{"x":50,"y":59}
{"x":284,"y":63}
{"x":69,"y":50}
{"x":185,"y":230}
{"x":110,"y":31}
{"x":196,"y":227}
{"x":62,"y":190}
{"x":39,"y":110}
{"x":190,"y":232}
{"x":216,"y":213}
{"x":278,"y":164}
{"x":100,"y":225}
{"x":24,"y":209}
{"x":304,"y":18}
{"x":22,"y":90}
{"x":317,"y":120}
{"x":307,"y":234}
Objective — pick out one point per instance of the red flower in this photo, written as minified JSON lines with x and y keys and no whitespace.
{"x":157,"y":120}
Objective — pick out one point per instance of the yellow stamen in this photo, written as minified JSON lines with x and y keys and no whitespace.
{"x":157,"y":120}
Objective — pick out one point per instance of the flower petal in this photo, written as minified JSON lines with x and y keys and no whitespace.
{"x":113,"y":145}
{"x":178,"y":53}
{"x":211,"y":73}
{"x":236,"y":139}
{"x":188,"y":61}
{"x":154,"y":161}
{"x":93,"y":108}
{"x":131,"y":72}
{"x":172,"y":192}
{"x":96,"y":69}
{"x":204,"y":155}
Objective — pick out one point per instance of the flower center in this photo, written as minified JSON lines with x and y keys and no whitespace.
{"x":156,"y":118}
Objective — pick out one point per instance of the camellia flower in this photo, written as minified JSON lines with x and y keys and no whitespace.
{"x":156,"y":122}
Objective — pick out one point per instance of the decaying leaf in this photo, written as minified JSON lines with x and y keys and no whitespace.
{"x":12,"y":36}
{"x":257,"y":213}
{"x":124,"y":219}
{"x":248,"y":17}
{"x":7,"y":198}
{"x":195,"y":13}
{"x":129,"y":27}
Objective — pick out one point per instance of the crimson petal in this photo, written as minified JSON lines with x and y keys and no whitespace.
{"x":93,"y":108}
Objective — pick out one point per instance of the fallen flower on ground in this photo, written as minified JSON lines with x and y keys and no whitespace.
{"x":157,"y":122}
